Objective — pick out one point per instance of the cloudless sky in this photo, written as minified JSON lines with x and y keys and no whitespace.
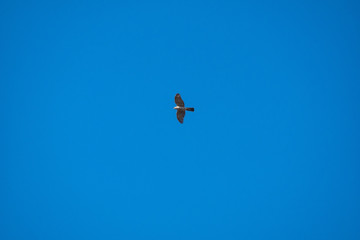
{"x":91,"y":147}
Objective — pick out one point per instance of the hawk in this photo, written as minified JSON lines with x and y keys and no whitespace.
{"x":180,"y":107}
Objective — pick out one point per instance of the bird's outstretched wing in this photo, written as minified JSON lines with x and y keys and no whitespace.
{"x":179,"y":102}
{"x":180,"y":114}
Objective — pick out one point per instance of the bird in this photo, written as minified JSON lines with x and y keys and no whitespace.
{"x":180,"y":107}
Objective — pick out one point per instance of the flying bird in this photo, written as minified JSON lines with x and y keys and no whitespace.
{"x":180,"y":107}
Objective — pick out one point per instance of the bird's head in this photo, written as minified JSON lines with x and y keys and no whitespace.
{"x":177,"y":107}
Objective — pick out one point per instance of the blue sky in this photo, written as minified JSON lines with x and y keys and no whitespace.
{"x":90,"y":144}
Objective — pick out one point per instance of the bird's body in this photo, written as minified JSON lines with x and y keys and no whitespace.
{"x":180,"y":107}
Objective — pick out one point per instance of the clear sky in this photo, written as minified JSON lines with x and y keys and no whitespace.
{"x":91,"y":147}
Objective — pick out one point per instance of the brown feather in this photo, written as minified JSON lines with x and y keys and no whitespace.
{"x":179,"y":102}
{"x":180,"y":114}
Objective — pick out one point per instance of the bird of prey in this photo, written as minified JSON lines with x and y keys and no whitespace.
{"x":180,"y":107}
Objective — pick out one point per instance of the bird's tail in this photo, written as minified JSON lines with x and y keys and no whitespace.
{"x":189,"y":109}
